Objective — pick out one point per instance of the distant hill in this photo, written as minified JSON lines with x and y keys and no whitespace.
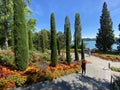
{"x":89,"y":39}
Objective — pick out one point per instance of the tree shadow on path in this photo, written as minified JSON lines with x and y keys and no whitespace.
{"x":80,"y":83}
{"x":93,"y":84}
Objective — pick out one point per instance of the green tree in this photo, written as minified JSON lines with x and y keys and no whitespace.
{"x":67,"y":23}
{"x":82,"y":51}
{"x":68,"y":39}
{"x":30,"y":40}
{"x":118,"y":40}
{"x":6,"y":18}
{"x":43,"y":39}
{"x":77,"y":35}
{"x":60,"y":41}
{"x":31,"y":27}
{"x":58,"y":46}
{"x":105,"y":36}
{"x":53,"y":41}
{"x":36,"y":41}
{"x":20,"y":36}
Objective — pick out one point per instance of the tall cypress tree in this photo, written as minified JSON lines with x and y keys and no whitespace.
{"x":82,"y":51}
{"x":58,"y":46}
{"x":53,"y":41}
{"x":77,"y":35}
{"x":105,"y":36}
{"x":68,"y":39}
{"x":67,"y":23}
{"x":20,"y":36}
{"x":43,"y":43}
{"x":30,"y":41}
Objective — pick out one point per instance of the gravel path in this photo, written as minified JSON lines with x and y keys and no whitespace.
{"x":98,"y":77}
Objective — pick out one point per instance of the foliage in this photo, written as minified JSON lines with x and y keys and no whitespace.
{"x":118,"y":40}
{"x":82,"y":51}
{"x":36,"y":42}
{"x":44,"y":40}
{"x":105,"y":36}
{"x":68,"y":39}
{"x":50,"y":73}
{"x":77,"y":35}
{"x":118,"y":84}
{"x":115,"y":69}
{"x":6,"y":21}
{"x":20,"y":36}
{"x":16,"y":79}
{"x":61,"y":58}
{"x":10,"y":78}
{"x":34,"y":57}
{"x":41,"y":40}
{"x":58,"y":46}
{"x":53,"y":41}
{"x":66,"y":25}
{"x":6,"y":57}
{"x":31,"y":24}
{"x":30,"y":27}
{"x":30,"y":40}
{"x":60,"y":41}
{"x":112,"y":56}
{"x":62,"y":69}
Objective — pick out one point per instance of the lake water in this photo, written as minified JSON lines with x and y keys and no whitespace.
{"x":91,"y":44}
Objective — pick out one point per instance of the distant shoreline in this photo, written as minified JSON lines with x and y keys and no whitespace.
{"x":89,"y":39}
{"x":93,"y":39}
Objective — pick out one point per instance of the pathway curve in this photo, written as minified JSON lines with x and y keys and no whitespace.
{"x":97,"y":78}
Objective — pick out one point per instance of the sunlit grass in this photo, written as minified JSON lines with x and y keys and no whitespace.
{"x":113,"y":55}
{"x":115,"y":69}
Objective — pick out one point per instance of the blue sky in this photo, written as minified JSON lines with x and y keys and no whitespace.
{"x":90,"y":12}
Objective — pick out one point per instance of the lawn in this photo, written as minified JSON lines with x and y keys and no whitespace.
{"x":115,"y":69}
{"x":112,"y":56}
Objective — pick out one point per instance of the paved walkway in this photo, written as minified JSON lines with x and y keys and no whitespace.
{"x":97,"y":78}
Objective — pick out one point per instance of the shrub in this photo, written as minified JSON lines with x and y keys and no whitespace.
{"x":61,"y":58}
{"x":6,"y":57}
{"x":115,"y":69}
{"x":45,"y":57}
{"x":17,"y":79}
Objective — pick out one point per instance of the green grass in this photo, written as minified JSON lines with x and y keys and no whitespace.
{"x":111,"y":54}
{"x":115,"y":69}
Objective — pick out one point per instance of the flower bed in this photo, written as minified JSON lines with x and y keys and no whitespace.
{"x":106,"y":57}
{"x":11,"y":79}
{"x":38,"y":69}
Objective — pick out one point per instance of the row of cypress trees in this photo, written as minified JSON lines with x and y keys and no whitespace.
{"x":21,"y":39}
{"x":67,"y":32}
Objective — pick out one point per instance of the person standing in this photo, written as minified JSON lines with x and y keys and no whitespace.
{"x":83,"y":66}
{"x":89,"y":52}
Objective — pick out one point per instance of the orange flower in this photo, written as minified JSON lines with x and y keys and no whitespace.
{"x":11,"y":52}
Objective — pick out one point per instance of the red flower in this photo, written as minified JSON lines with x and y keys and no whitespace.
{"x":13,"y":85}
